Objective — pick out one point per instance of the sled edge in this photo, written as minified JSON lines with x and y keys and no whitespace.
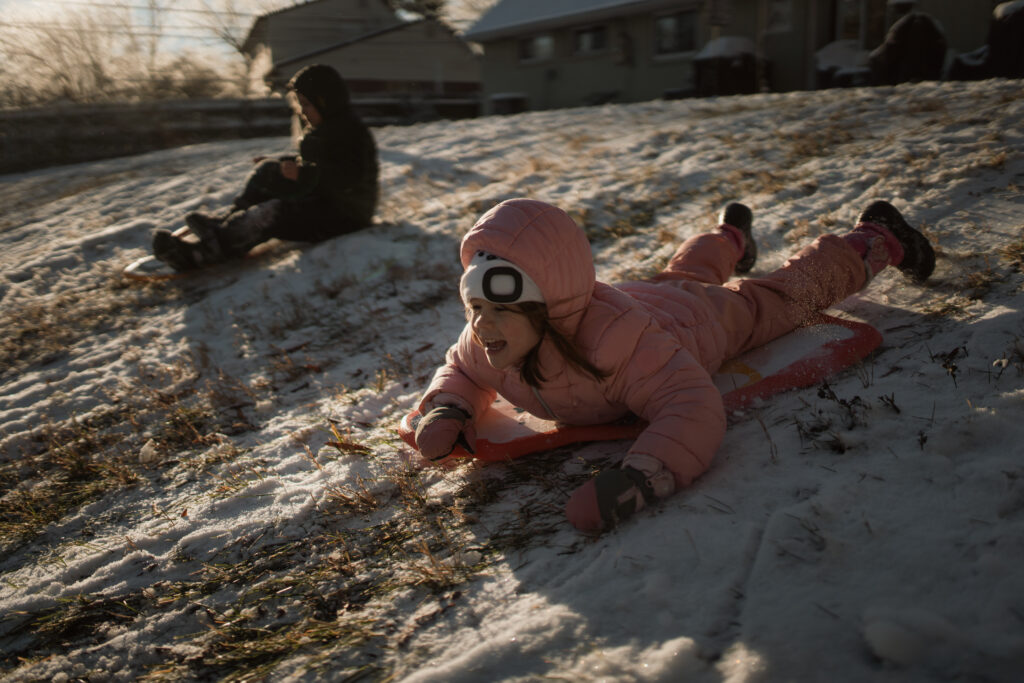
{"x":806,"y":372}
{"x":136,"y":270}
{"x":494,"y":451}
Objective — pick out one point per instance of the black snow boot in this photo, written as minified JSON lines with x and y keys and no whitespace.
{"x":740,"y":216}
{"x":918,"y":256}
{"x":178,"y":254}
{"x":206,"y":228}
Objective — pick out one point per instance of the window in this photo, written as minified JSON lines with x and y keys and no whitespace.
{"x":674,"y":33}
{"x":780,"y":16}
{"x":848,"y":15}
{"x":590,"y":40}
{"x":536,"y":48}
{"x":862,"y":20}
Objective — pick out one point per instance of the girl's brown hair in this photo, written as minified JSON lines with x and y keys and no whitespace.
{"x":537,"y":314}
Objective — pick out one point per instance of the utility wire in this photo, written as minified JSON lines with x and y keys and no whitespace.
{"x":189,"y":36}
{"x":76,"y":29}
{"x":181,"y":10}
{"x":113,"y":32}
{"x":320,"y":22}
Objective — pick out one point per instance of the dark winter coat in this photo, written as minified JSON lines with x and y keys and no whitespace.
{"x":336,"y":190}
{"x":339,"y":156}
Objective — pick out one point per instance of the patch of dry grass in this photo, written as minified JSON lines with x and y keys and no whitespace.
{"x":43,"y":330}
{"x":66,"y":465}
{"x":1013,"y":253}
{"x":818,"y":142}
{"x":337,"y":598}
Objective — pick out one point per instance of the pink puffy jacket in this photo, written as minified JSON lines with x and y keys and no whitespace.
{"x":657,"y":341}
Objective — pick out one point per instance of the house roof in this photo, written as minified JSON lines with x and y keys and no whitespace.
{"x":359,"y":39}
{"x":262,"y":19}
{"x":516,"y":17}
{"x":352,"y":41}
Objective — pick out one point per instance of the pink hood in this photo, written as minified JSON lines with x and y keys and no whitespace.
{"x":548,"y":245}
{"x":648,"y":353}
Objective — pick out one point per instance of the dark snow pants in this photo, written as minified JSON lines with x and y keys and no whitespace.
{"x":272,"y":206}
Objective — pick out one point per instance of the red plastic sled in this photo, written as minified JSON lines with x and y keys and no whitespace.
{"x":799,"y":359}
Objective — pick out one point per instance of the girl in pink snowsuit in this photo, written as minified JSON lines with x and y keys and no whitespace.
{"x":552,"y":340}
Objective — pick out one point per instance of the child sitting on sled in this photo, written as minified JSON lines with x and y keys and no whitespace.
{"x":328,"y":190}
{"x":549,"y":338}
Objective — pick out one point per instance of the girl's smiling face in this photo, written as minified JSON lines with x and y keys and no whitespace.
{"x":503,"y":330}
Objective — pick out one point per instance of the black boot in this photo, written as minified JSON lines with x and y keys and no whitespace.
{"x":918,"y":256}
{"x":207,"y":229}
{"x":740,"y":216}
{"x":176,"y":253}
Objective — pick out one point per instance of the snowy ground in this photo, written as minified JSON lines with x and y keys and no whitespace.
{"x":202,"y":479}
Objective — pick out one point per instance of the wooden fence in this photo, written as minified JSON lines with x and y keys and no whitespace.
{"x":67,"y":134}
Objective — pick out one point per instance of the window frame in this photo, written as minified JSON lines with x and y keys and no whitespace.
{"x":532,"y":40}
{"x":602,"y":29}
{"x":657,"y":52}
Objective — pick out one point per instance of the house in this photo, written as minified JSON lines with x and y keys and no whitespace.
{"x":395,"y":69}
{"x":540,"y":54}
{"x":293,"y":30}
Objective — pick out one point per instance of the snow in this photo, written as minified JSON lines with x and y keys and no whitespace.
{"x":841,"y":54}
{"x":1007,"y":9}
{"x":726,"y":47}
{"x":976,"y":57}
{"x":870,"y":531}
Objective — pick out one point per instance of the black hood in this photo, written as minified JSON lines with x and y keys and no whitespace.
{"x":324,"y":87}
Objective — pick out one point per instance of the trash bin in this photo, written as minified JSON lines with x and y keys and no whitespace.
{"x":726,"y":66}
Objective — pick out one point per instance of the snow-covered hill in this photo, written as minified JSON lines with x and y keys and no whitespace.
{"x":202,"y":479}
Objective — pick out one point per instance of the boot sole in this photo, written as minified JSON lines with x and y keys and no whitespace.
{"x":921,"y":262}
{"x":740,"y":216}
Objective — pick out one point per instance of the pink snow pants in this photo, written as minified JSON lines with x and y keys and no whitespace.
{"x":754,"y":311}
